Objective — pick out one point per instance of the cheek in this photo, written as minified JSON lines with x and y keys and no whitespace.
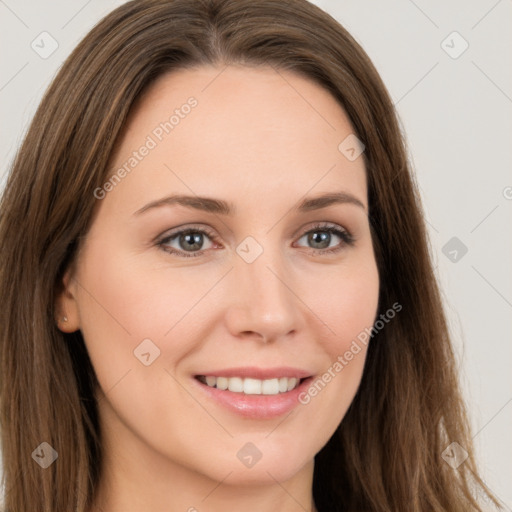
{"x":126,"y":298}
{"x":128,"y":310}
{"x":345,"y":299}
{"x":124,"y":302}
{"x":348,"y":307}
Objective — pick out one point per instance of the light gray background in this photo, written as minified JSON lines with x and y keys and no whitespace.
{"x":456,"y":113}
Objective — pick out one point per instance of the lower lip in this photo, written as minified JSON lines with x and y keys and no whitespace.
{"x":256,"y":406}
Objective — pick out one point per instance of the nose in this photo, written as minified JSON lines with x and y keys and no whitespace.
{"x":262,"y":304}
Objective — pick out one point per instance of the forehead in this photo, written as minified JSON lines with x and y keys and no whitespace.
{"x":239,"y":131}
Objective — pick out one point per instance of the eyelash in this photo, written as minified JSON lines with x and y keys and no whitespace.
{"x":346,"y":237}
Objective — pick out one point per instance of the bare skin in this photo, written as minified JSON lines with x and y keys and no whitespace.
{"x":263,"y":141}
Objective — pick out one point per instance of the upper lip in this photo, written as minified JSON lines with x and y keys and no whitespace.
{"x":254,"y":372}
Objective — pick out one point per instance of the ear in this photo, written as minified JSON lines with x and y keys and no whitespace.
{"x":66,"y":305}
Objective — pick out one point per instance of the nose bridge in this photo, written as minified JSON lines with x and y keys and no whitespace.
{"x":264,"y":300}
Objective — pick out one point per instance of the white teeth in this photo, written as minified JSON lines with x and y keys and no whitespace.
{"x":221,"y":383}
{"x":251,"y":386}
{"x":236,"y":384}
{"x":270,"y":387}
{"x":292,"y":383}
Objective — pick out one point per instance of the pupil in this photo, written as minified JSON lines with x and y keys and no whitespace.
{"x":321,"y":237}
{"x":192,"y":241}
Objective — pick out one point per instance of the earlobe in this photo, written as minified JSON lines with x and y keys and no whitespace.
{"x":66,"y":304}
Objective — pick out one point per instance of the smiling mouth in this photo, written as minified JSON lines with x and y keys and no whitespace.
{"x":249,"y":386}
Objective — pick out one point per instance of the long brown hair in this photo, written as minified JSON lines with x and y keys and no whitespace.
{"x":386,"y":455}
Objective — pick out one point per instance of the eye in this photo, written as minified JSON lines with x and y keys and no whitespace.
{"x":321,"y":236}
{"x":190,"y":240}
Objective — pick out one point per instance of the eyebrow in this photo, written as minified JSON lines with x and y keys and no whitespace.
{"x":221,"y":207}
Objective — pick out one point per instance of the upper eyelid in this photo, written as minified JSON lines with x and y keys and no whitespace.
{"x":179,"y":230}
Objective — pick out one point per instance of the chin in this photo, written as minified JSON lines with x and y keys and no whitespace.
{"x":261,"y":462}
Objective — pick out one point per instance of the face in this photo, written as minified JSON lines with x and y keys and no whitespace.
{"x":245,"y":283}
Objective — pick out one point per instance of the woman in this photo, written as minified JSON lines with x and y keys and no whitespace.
{"x":216,"y":285}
